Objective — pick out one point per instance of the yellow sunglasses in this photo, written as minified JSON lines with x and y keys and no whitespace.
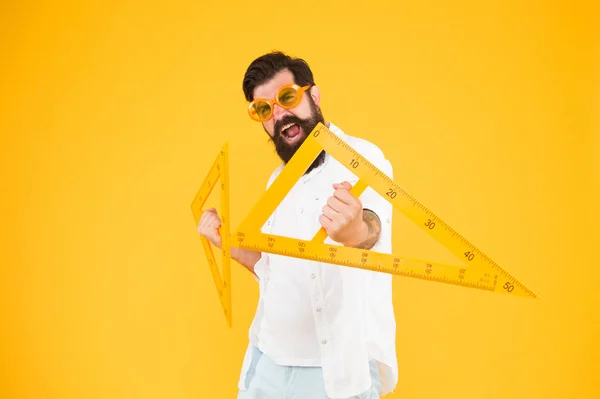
{"x":288,"y":96}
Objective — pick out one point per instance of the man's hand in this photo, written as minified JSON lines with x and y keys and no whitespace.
{"x":342,"y":216}
{"x":347,"y":222}
{"x":209,"y":227}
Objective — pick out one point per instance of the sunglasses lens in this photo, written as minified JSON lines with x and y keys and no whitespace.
{"x":289,"y":97}
{"x":260,"y":110}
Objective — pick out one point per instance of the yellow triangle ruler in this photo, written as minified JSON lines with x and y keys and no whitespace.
{"x":476,"y":271}
{"x":218,"y":173}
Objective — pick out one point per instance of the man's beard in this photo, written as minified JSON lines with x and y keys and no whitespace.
{"x":285,"y":150}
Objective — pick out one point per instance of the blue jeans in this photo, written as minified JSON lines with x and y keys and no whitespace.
{"x":267,"y":380}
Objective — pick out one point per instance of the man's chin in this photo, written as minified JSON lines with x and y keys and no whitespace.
{"x":286,"y":150}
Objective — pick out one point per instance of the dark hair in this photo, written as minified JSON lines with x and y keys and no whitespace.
{"x":267,"y":66}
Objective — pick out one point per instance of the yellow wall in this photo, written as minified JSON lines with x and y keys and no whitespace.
{"x":111,"y":114}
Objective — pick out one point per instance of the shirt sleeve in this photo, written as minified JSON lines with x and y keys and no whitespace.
{"x":261,"y":267}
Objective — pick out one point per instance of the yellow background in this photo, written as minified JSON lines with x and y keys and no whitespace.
{"x":112,"y":112}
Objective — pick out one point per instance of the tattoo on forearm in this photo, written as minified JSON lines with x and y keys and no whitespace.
{"x":374,"y":228}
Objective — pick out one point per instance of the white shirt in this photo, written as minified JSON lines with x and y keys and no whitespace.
{"x":318,"y":314}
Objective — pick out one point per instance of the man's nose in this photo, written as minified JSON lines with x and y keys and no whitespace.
{"x":278,"y":111}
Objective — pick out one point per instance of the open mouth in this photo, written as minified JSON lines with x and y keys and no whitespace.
{"x":291,"y":132}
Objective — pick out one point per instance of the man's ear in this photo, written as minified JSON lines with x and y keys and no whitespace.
{"x":315,"y":93}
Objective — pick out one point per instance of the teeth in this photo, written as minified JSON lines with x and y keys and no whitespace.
{"x":286,"y":126}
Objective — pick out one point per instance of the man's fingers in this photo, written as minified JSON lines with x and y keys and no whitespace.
{"x":208,"y":219}
{"x":335,"y":203}
{"x":341,"y":208}
{"x":342,"y":191}
{"x":344,"y":195}
{"x":214,"y":223}
{"x":329,"y":212}
{"x":345,"y":185}
{"x":202,"y":221}
{"x":325,"y":221}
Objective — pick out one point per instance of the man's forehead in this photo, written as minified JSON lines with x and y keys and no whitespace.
{"x":270,"y":87}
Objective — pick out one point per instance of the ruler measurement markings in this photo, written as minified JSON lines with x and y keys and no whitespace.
{"x":376,"y":266}
{"x":478,"y":269}
{"x":397,"y":188}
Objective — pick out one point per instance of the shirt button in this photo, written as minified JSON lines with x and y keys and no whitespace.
{"x":301,"y":210}
{"x":324,"y":342}
{"x":312,"y":275}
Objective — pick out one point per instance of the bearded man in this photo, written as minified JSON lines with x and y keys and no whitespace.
{"x":320,"y":330}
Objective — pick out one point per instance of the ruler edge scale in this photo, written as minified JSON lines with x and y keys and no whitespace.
{"x":218,"y":172}
{"x":311,"y":147}
{"x":225,"y":232}
{"x":330,"y":148}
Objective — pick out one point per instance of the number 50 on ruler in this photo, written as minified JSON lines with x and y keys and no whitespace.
{"x":476,"y":271}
